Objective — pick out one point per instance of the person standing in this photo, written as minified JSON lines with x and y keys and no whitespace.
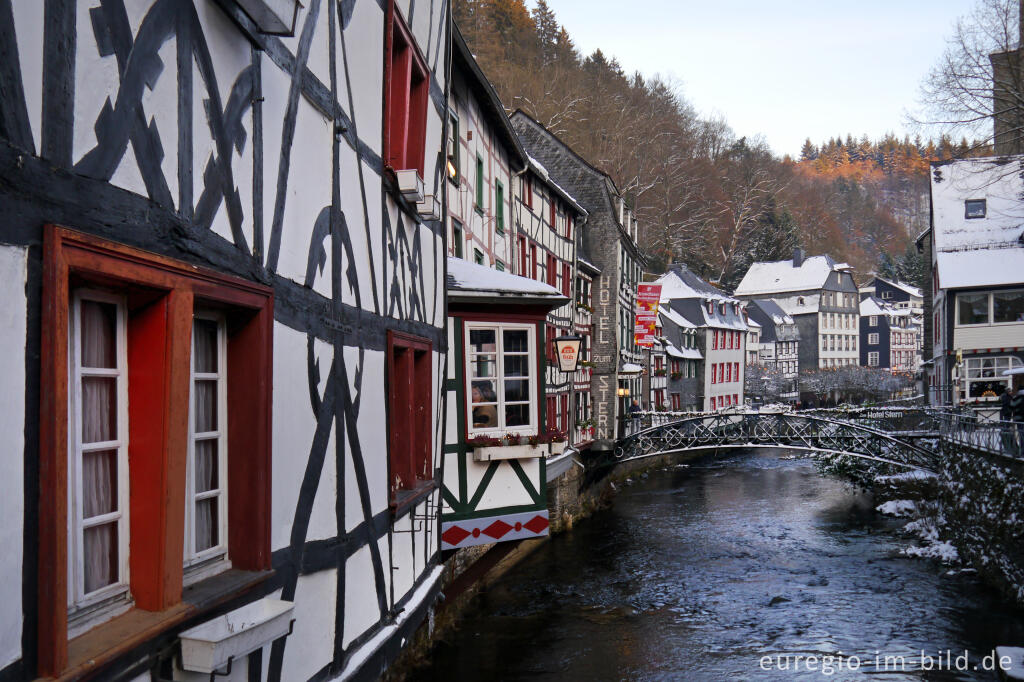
{"x":1006,"y":427}
{"x":1017,"y":409}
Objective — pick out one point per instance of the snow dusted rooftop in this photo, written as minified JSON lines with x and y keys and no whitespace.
{"x":777,"y":277}
{"x":540,"y":170}
{"x":903,"y":286}
{"x":679,"y":283}
{"x":983,"y":251}
{"x":472,"y":281}
{"x":684,"y":353}
{"x":674,"y":317}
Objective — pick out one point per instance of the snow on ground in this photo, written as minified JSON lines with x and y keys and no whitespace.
{"x":897,"y":508}
{"x":914,"y":475}
{"x":943,"y":551}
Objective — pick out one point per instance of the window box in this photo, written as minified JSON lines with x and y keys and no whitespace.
{"x":490,"y":453}
{"x":212,"y":645}
{"x":410,"y":184}
{"x":557,"y":448}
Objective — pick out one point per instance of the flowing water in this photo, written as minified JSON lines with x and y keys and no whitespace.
{"x":700,"y":572}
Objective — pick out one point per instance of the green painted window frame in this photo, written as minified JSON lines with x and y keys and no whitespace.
{"x":457,"y":236}
{"x":499,"y":207}
{"x":453,"y":153}
{"x":479,"y":183}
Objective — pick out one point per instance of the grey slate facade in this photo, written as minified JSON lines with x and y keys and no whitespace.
{"x":608,"y":238}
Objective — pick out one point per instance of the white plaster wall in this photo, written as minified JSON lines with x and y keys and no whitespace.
{"x":372,"y":435}
{"x":96,"y":79}
{"x":28,"y":28}
{"x":294,"y":427}
{"x":364,"y":36}
{"x":361,"y":609}
{"x":311,"y":645}
{"x":13,"y":271}
{"x":505,"y":488}
{"x":161,"y":105}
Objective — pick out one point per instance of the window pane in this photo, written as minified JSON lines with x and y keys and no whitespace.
{"x":516,"y":390}
{"x":206,"y":465}
{"x":483,"y":366}
{"x":204,"y":332}
{"x":516,"y":341}
{"x":100,"y":556}
{"x":206,"y":523}
{"x":517,"y":415}
{"x":481,"y":341}
{"x":99,"y":334}
{"x":99,"y":409}
{"x":99,"y":483}
{"x":973,"y":308}
{"x":1008,"y":306}
{"x":206,"y":406}
{"x":483,"y":392}
{"x":517,"y":365}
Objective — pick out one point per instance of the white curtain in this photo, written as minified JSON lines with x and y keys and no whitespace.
{"x":206,"y":479}
{"x":100,"y":556}
{"x":98,"y":334}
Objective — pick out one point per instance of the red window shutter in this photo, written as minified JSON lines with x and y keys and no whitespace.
{"x":523,"y":264}
{"x":568,"y":226}
{"x":565,"y":413}
{"x":552,"y":271}
{"x":550,"y":416}
{"x":533,"y":261}
{"x":566,"y":281}
{"x":529,"y":191}
{"x":551,"y":206}
{"x":406,"y":95}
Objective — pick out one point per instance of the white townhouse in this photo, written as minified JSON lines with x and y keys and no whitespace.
{"x":977,"y":250}
{"x":719,"y":319}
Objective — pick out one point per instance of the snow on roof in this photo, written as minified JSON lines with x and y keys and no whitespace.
{"x":780,"y":276}
{"x":797,"y":304}
{"x":903,"y":286}
{"x":984,"y":251}
{"x":539,"y":168}
{"x":751,"y":322}
{"x":684,"y":354}
{"x":586,"y":262}
{"x":680,"y":282}
{"x":473,"y":280}
{"x":870,"y":306}
{"x":630,"y":368}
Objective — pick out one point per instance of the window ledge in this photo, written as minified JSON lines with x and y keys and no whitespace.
{"x":104,"y":643}
{"x":405,"y":500}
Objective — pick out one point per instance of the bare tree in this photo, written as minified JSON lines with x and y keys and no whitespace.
{"x":977,"y":88}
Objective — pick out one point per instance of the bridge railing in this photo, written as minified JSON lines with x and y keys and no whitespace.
{"x":988,"y":435}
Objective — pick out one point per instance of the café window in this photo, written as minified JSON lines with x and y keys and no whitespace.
{"x":983,"y":377}
{"x":501,"y":376}
{"x":1008,"y":306}
{"x":972,"y":309}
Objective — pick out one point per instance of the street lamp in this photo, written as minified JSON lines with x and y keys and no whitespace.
{"x":623,"y":393}
{"x":568,"y":349}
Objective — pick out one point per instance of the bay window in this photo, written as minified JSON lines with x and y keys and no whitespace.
{"x":141,"y":357}
{"x":983,"y":377}
{"x":972,"y":309}
{"x":501,"y":378}
{"x":1008,"y":306}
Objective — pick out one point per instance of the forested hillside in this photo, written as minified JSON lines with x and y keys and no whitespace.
{"x":704,"y":195}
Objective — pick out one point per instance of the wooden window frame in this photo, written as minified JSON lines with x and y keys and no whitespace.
{"x":161,"y":294}
{"x":499,"y":207}
{"x":454,"y":153}
{"x":410,"y":414}
{"x":478,"y":196}
{"x":535,"y":378}
{"x":406,"y":95}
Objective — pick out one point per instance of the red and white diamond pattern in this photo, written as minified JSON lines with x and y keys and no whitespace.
{"x":469,"y":532}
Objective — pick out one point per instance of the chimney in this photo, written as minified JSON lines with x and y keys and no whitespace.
{"x":798,"y":257}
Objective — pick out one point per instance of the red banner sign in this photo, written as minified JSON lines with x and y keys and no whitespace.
{"x":647,"y":298}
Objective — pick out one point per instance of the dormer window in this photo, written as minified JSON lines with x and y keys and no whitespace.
{"x":721,"y":309}
{"x":974,"y":208}
{"x":711,"y":308}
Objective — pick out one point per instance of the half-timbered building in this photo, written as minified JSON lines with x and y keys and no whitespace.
{"x":224,"y":334}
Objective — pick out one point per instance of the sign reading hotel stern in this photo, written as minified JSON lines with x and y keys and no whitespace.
{"x":647,"y":298}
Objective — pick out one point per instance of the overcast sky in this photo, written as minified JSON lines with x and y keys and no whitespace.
{"x":786,"y":70}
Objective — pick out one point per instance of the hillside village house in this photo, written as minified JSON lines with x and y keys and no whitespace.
{"x":753,"y":342}
{"x":222,"y":278}
{"x":499,"y":328}
{"x":898,"y":294}
{"x":820,"y":295}
{"x":685,"y":370}
{"x":780,"y":341}
{"x":977,"y":258}
{"x":721,"y":332}
{"x":888,"y":336}
{"x":608,"y":245}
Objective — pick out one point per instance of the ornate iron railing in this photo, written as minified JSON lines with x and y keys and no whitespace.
{"x":754,"y":429}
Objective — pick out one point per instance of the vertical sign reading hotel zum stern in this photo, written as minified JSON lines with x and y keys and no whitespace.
{"x":647,"y":298}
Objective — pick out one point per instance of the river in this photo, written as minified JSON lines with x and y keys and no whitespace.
{"x":699,"y":572}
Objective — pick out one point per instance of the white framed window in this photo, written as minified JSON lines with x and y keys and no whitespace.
{"x":983,"y":377}
{"x":501,"y":379}
{"x":872,"y":339}
{"x":873,"y":321}
{"x":873,"y":359}
{"x":98,"y":460}
{"x":972,"y":309}
{"x":206,"y":495}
